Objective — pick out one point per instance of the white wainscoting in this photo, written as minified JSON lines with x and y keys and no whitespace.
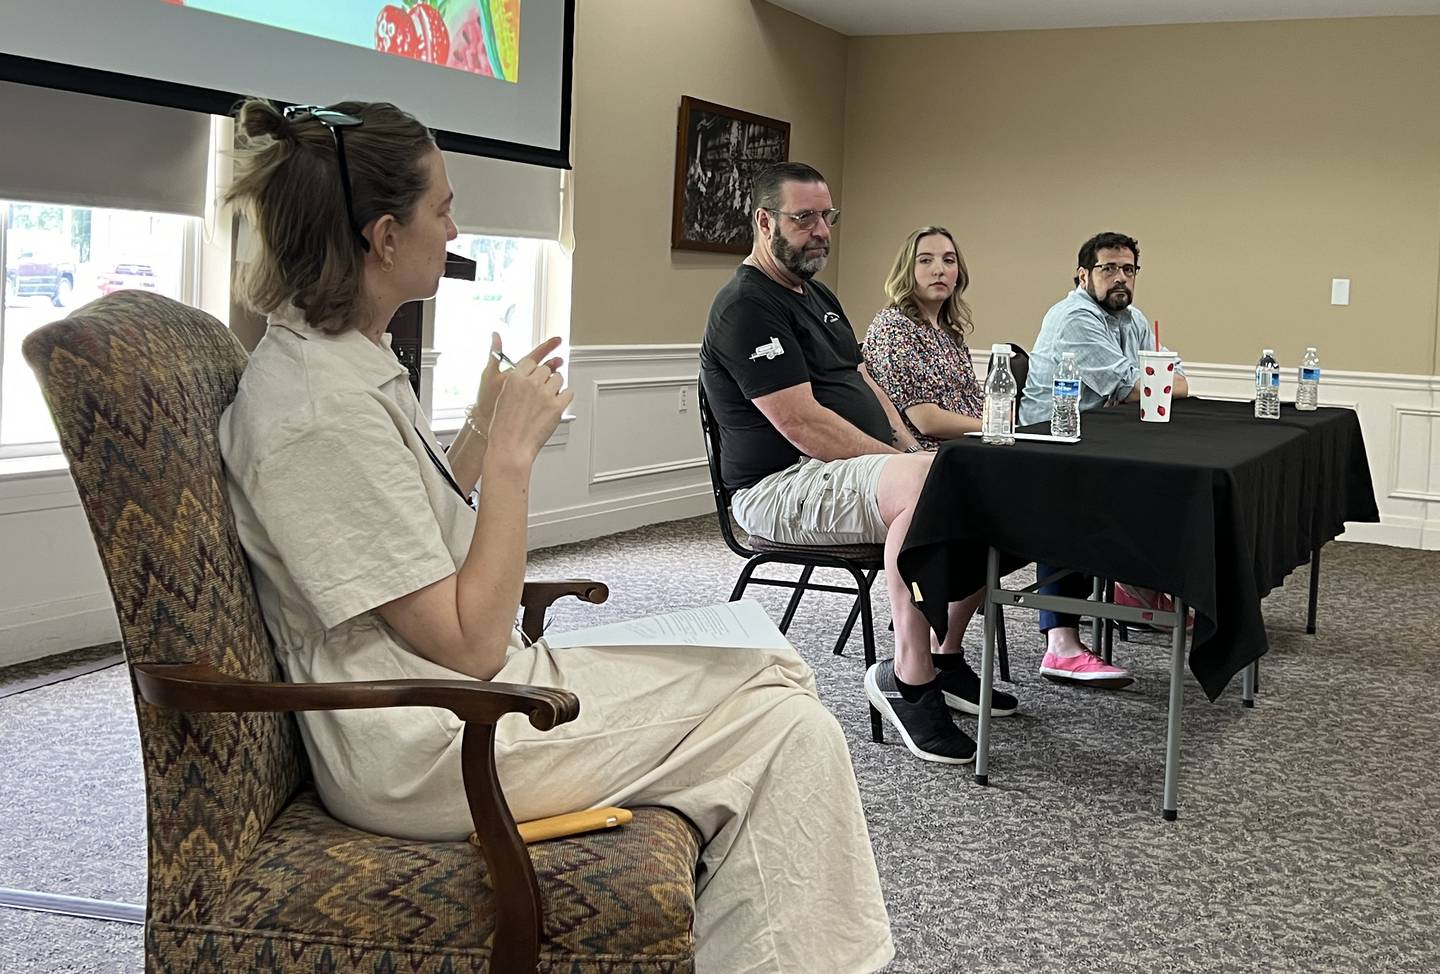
{"x":53,"y":593}
{"x":1400,"y":420}
{"x":633,"y":455}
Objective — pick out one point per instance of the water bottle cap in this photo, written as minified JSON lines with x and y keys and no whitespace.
{"x":1311,"y":348}
{"x":1267,"y":351}
{"x":1001,"y":348}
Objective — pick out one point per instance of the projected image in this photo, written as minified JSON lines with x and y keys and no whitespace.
{"x":478,"y":36}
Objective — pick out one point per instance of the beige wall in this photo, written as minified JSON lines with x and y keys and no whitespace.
{"x":1254,"y":162}
{"x":633,"y":61}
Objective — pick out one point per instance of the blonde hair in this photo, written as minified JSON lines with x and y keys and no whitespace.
{"x":288,"y":186}
{"x":900,"y":285}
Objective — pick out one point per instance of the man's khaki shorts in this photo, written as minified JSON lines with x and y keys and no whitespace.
{"x":816,"y":502}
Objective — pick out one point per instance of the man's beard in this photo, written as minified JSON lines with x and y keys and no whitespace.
{"x":1118,"y":298}
{"x":795,"y":261}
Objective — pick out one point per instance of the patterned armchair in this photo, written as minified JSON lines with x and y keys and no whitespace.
{"x":247,"y":871}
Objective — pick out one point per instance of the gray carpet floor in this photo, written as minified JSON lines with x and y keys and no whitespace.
{"x":1307,"y":838}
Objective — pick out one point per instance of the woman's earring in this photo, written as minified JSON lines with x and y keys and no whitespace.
{"x":387,"y":264}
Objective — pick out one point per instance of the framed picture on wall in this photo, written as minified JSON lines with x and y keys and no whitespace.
{"x":718,"y":151}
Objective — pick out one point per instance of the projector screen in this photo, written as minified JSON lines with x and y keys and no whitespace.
{"x":492,"y":77}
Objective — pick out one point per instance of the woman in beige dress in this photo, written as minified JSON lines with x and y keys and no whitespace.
{"x":371,"y":564}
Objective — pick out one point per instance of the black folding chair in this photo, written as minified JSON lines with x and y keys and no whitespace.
{"x":862,"y":561}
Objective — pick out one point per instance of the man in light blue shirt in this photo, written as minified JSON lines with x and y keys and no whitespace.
{"x":1099,"y":324}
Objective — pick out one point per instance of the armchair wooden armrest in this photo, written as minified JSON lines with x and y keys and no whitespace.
{"x":519,"y":919}
{"x":538,"y":596}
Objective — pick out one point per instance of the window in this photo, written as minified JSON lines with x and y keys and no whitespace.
{"x":506,"y":297}
{"x":58,"y":258}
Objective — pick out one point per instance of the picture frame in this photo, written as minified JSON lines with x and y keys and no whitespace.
{"x":718,"y":150}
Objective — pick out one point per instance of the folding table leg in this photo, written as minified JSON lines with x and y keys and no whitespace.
{"x":1314,"y":591}
{"x":1108,"y":651}
{"x":1247,"y":684}
{"x":1097,"y":630}
{"x":1177,"y":703}
{"x":987,"y":669}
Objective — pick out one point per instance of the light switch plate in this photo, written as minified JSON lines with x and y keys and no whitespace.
{"x":1340,"y":290}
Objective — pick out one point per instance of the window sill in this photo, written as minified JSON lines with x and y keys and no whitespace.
{"x":446,"y":428}
{"x":25,"y":468}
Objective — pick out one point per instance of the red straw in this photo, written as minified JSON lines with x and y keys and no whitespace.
{"x":1156,"y":325}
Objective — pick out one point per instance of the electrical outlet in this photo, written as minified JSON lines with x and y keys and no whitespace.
{"x":684,"y":399}
{"x":1340,"y":290}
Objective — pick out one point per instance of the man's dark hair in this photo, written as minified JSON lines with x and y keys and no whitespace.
{"x":1105,"y":241}
{"x":765,"y":190}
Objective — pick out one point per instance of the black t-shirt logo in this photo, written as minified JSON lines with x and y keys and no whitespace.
{"x":830,"y":318}
{"x":769,"y":350}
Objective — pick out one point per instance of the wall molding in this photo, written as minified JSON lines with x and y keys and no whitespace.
{"x":1397,"y":452}
{"x":646,"y":382}
{"x":1330,"y":377}
{"x":591,"y":354}
{"x":648,"y":470}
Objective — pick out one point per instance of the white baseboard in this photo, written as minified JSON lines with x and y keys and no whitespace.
{"x":595,"y":520}
{"x":34,"y":631}
{"x":1393,"y":532}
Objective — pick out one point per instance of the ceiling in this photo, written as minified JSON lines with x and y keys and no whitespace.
{"x":866,"y":17}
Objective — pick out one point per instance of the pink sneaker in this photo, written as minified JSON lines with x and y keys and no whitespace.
{"x":1158,"y":601}
{"x":1086,"y":668}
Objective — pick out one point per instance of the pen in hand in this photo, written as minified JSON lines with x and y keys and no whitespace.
{"x":505,"y":364}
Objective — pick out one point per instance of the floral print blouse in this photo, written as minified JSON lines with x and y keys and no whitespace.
{"x":917,"y":362}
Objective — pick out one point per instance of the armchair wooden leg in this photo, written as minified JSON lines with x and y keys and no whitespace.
{"x":519,"y":916}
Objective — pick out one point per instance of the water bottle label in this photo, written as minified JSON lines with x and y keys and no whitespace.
{"x":1275,"y":380}
{"x":1067,"y":388}
{"x":1309,"y":375}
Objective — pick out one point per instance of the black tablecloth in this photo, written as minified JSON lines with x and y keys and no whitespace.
{"x":1215,"y":506}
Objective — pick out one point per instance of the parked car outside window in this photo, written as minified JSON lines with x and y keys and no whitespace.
{"x":31,"y":273}
{"x":126,"y":276}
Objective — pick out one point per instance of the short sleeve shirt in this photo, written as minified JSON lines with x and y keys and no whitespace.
{"x":763,"y":337}
{"x":340,"y":509}
{"x":916,"y":362}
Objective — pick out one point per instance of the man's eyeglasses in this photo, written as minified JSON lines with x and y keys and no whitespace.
{"x":1111,"y":270}
{"x":337,"y":123}
{"x":805,"y":219}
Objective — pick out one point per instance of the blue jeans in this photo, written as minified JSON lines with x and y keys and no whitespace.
{"x":1076,"y":586}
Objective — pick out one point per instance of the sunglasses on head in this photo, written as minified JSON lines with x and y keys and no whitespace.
{"x":337,"y":123}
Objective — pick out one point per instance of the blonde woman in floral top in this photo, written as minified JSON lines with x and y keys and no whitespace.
{"x":915,"y":348}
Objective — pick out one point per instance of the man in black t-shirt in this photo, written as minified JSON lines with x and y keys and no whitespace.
{"x":816,"y":454}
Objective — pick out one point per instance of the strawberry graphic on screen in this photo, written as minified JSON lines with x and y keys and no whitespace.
{"x":416,"y":30}
{"x":395,"y":32}
{"x":431,"y":34}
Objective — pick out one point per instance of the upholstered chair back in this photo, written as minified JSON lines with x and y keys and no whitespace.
{"x":136,"y":383}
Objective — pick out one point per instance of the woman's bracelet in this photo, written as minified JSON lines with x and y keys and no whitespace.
{"x":470,"y":422}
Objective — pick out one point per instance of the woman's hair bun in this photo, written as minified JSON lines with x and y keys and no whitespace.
{"x":257,"y":118}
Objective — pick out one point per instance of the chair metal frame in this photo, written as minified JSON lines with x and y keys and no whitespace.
{"x":807,"y":558}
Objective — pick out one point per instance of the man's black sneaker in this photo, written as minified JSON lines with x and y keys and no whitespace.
{"x":926,"y":725}
{"x":961,"y":688}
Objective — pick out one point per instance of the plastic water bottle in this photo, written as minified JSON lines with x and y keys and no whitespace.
{"x":999,"y":425}
{"x":1065,"y":399}
{"x":1308,"y":397}
{"x":1267,"y":386}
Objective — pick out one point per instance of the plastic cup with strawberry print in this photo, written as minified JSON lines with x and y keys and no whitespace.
{"x":1157,"y":382}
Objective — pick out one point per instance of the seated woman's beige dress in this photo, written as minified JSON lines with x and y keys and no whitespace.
{"x":341,"y":509}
